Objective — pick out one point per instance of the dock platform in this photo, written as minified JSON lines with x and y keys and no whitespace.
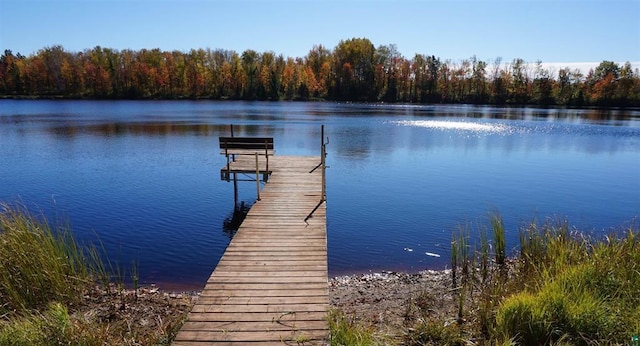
{"x":271,"y":285}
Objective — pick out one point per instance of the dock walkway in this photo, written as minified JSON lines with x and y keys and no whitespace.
{"x":270,"y":286}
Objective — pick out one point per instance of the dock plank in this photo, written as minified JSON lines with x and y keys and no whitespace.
{"x":271,"y":285}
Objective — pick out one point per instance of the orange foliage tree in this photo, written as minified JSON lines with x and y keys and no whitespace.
{"x":355,"y":70}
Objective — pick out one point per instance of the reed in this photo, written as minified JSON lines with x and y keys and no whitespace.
{"x":454,"y":260}
{"x":464,"y":250}
{"x":499,"y":241}
{"x":135,"y":278}
{"x":484,"y":257}
{"x":563,"y":287}
{"x":38,"y":264}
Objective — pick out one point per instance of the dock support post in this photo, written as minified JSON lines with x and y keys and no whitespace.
{"x":235,"y":191}
{"x":257,"y":178}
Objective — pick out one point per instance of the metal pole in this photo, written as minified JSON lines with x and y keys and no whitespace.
{"x":322,"y":160}
{"x":321,"y":135}
{"x":266,"y":155}
{"x":257,"y":177}
{"x":226,"y":153}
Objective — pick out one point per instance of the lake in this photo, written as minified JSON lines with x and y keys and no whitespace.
{"x":143,"y":177}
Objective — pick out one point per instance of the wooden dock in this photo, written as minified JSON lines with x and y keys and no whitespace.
{"x":271,"y":285}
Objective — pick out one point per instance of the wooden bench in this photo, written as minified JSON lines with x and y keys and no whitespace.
{"x":232,"y":146}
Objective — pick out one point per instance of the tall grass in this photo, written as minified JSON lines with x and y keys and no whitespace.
{"x":38,"y":264}
{"x":571,"y":288}
{"x":563,"y":287}
{"x":454,"y":261}
{"x":499,"y":239}
{"x":44,"y":273}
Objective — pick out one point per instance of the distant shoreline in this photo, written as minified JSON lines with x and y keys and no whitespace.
{"x":502,"y":105}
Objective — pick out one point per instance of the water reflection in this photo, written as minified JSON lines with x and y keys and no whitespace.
{"x":157,"y":129}
{"x":232,"y":222}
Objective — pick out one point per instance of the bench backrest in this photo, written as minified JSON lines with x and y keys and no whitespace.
{"x":246,"y":143}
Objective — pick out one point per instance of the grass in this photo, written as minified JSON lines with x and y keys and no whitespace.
{"x":434,"y":333}
{"x":38,"y":264}
{"x":345,"y":331}
{"x":562,"y":287}
{"x":497,"y":225}
{"x":53,"y":326}
{"x":566,"y":287}
{"x":45,"y":276}
{"x":577,"y":290}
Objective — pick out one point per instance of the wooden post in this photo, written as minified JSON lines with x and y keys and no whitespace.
{"x":257,"y":177}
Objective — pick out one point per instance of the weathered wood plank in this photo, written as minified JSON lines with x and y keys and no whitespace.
{"x":267,"y":279}
{"x":249,"y":337}
{"x":270,"y":286}
{"x":271,"y":308}
{"x":211,"y":292}
{"x":317,"y":299}
{"x":258,"y":316}
{"x":252,"y":326}
{"x":236,"y":273}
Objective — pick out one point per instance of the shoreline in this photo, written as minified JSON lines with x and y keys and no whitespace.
{"x":383,"y":300}
{"x":167,"y":286}
{"x":152,"y":99}
{"x":333,"y":282}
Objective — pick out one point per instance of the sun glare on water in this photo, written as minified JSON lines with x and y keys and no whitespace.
{"x":455,"y":125}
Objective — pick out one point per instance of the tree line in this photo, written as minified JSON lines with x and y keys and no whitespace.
{"x":355,"y":70}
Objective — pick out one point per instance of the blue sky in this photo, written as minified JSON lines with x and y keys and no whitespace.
{"x":551,"y":31}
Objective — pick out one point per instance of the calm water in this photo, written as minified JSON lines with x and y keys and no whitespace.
{"x":143,"y":177}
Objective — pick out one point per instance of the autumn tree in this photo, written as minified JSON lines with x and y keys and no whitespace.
{"x":603,"y":83}
{"x":250,"y":66}
{"x":628,"y":85}
{"x":318,"y":60}
{"x":478,"y":91}
{"x":354,"y":69}
{"x":542,"y":88}
{"x":10,"y":73}
{"x":518,"y":88}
